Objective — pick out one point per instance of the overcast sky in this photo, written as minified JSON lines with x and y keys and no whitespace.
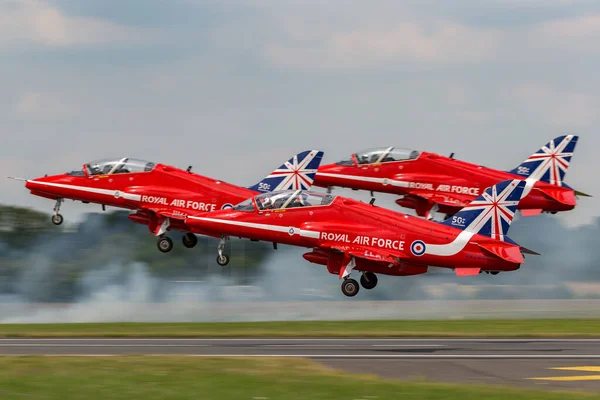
{"x":236,"y":87}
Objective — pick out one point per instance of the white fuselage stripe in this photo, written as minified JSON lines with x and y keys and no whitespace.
{"x":450,"y":249}
{"x":106,"y":192}
{"x":383,"y":181}
{"x":273,"y":228}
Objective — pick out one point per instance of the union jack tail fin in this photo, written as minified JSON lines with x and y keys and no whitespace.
{"x":551,"y":162}
{"x":491,"y":213}
{"x":298,"y":173}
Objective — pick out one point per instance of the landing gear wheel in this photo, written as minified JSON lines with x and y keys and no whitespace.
{"x":189,"y":240}
{"x":223,"y":260}
{"x":368,"y":280}
{"x":494,"y":272}
{"x":165,"y":244}
{"x":350,"y":287}
{"x":57,"y":219}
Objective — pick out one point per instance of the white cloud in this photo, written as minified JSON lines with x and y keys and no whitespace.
{"x":310,"y":36}
{"x":38,"y":22}
{"x":581,"y":33}
{"x":44,"y":105}
{"x":442,"y":42}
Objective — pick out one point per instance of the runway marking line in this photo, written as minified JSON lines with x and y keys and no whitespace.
{"x":334,"y":356}
{"x":574,"y":377}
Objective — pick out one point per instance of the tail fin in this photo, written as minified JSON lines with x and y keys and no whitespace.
{"x":491,"y":213}
{"x":296,"y":173}
{"x":551,"y":162}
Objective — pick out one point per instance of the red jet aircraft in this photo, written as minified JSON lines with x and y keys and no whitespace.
{"x":162,"y":195}
{"x":432,"y":183}
{"x":347,"y":235}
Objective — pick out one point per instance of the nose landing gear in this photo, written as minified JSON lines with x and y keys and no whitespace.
{"x":57,"y":219}
{"x":222,"y":258}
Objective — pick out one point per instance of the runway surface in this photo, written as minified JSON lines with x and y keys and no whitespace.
{"x":484,"y":361}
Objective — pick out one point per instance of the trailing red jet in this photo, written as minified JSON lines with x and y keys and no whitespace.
{"x":432,"y":183}
{"x":162,"y":195}
{"x":346,"y":235}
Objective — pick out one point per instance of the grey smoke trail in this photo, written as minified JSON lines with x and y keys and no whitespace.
{"x":113,"y":286}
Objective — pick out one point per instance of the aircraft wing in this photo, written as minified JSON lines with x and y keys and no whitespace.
{"x":384,"y":255}
{"x":166,"y":213}
{"x":446,"y":199}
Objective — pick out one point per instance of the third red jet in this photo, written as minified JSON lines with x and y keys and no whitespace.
{"x":432,"y":183}
{"x":346,"y":235}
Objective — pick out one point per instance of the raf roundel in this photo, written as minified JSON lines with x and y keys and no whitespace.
{"x":226,"y":206}
{"x":418,"y":248}
{"x":291,"y":231}
{"x":117,"y":194}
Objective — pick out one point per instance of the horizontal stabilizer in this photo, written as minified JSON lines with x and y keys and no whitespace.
{"x":508,"y":253}
{"x":531,"y":212}
{"x":467,"y":271}
{"x":525,"y":250}
{"x":566,"y":197}
{"x":581,"y":194}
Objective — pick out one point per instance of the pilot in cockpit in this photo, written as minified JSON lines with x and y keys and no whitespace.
{"x":297,"y":202}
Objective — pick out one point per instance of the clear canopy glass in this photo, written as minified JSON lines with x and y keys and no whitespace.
{"x":119,"y":166}
{"x":246,"y":205}
{"x":381,"y":155}
{"x":291,"y":199}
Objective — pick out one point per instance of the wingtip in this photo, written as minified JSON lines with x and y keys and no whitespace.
{"x":17,"y":179}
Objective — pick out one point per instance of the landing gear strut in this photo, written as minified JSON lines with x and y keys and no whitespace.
{"x":368,"y":280}
{"x":189,"y":240}
{"x":222,"y":258}
{"x":164,"y":244}
{"x":57,"y":219}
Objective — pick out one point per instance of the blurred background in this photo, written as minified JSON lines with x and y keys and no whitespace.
{"x":234,"y":88}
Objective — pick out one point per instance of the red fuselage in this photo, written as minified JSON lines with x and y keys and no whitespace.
{"x":434,"y":179}
{"x":164,"y":190}
{"x":381,"y":240}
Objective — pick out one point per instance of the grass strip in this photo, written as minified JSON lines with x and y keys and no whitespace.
{"x":576,"y":328}
{"x":180,"y":377}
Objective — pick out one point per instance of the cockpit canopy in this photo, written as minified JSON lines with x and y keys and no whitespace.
{"x":286,"y":199}
{"x":380,"y":155}
{"x":111,"y":166}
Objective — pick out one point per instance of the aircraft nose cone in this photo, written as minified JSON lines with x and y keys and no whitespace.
{"x":30,"y":184}
{"x":322,"y":178}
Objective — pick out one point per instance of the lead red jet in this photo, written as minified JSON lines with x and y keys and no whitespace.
{"x":347,"y":235}
{"x":432,"y":183}
{"x":162,"y":195}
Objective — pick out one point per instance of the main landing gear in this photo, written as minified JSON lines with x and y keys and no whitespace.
{"x":222,"y":258}
{"x":164,"y":244}
{"x":189,"y":240}
{"x":350,"y":287}
{"x":57,"y":219}
{"x":368,"y":280}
